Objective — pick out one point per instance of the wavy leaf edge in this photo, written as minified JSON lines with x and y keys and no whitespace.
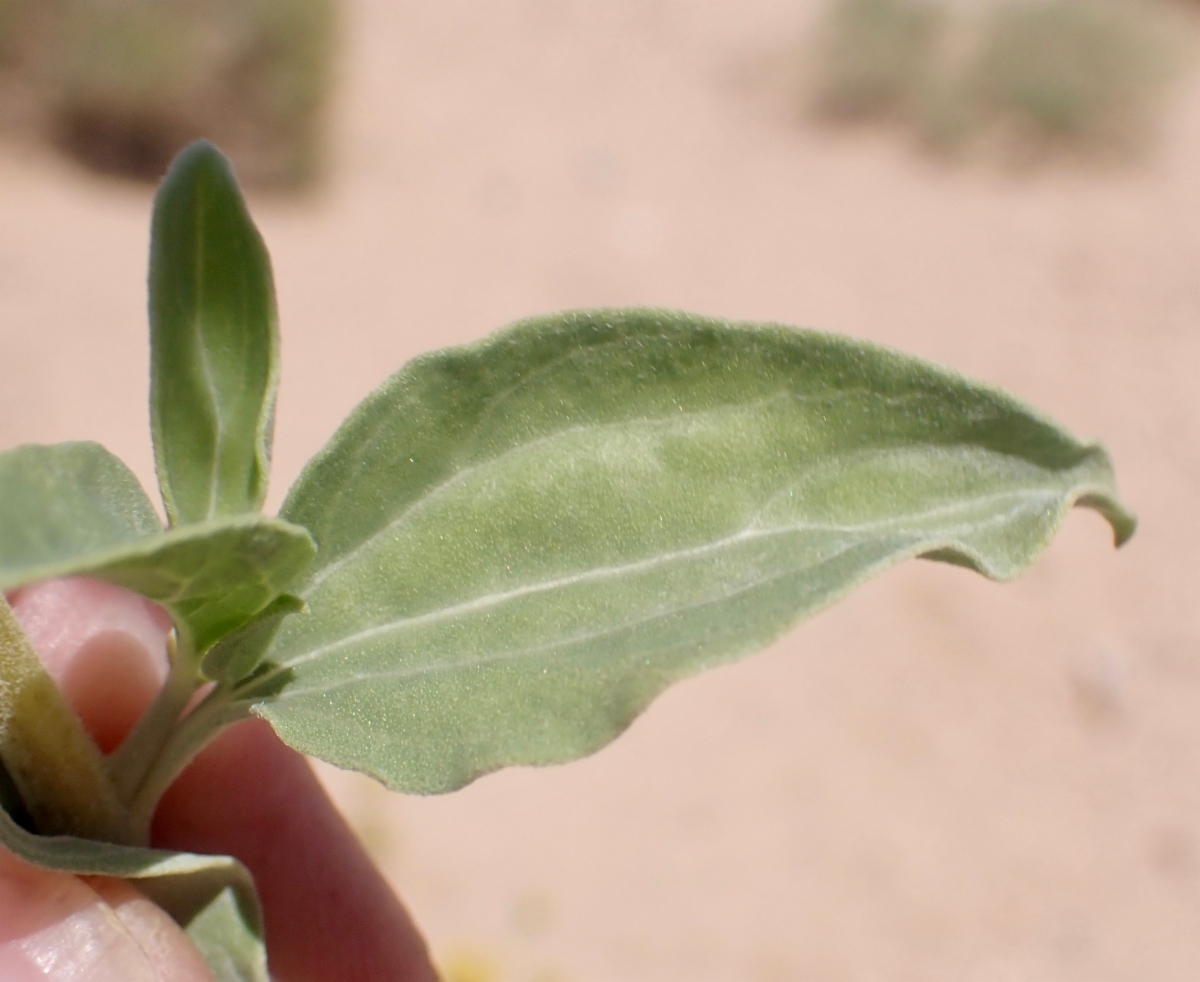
{"x":1094,"y":489}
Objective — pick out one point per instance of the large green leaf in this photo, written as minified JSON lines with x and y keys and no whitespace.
{"x":214,"y":343}
{"x":522,"y":541}
{"x":67,"y":500}
{"x":69,"y":511}
{"x":211,"y":897}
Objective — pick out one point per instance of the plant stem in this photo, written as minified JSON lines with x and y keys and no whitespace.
{"x":59,"y":773}
{"x":129,"y":764}
{"x":216,"y":712}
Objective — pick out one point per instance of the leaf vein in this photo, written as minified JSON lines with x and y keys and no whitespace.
{"x":598,"y":573}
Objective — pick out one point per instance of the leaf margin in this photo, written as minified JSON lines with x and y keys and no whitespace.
{"x":1096,"y":490}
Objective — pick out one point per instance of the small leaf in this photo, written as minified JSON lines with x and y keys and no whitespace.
{"x":213,"y":340}
{"x":211,"y":897}
{"x":524,"y":540}
{"x":235,"y":656}
{"x":233,"y":952}
{"x":64,"y":501}
{"x":212,"y":576}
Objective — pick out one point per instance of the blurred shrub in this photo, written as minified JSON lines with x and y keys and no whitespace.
{"x":1086,"y":73}
{"x":123,"y":84}
{"x":1032,"y":75}
{"x":873,"y":57}
{"x":9,"y":11}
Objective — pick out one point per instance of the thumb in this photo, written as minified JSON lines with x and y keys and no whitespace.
{"x":106,"y":649}
{"x":55,"y":927}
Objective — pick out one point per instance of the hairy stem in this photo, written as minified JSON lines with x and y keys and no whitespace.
{"x":193,"y":733}
{"x":129,"y":764}
{"x":58,"y":771}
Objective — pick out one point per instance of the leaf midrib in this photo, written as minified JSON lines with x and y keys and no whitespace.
{"x":199,"y":269}
{"x":436,"y":491}
{"x":510,"y":655}
{"x":748,"y":533}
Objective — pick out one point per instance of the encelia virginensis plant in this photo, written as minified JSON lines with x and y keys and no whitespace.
{"x":501,"y":557}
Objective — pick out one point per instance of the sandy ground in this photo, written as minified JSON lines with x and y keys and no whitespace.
{"x":940,"y":780}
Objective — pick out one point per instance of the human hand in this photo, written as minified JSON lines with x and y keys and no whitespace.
{"x":329,"y":914}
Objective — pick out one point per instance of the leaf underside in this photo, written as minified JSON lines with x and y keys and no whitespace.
{"x":214,"y":344}
{"x":522,"y":541}
{"x":73,"y":509}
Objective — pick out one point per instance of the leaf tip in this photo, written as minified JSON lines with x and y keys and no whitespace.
{"x":199,"y":155}
{"x":1124,"y":522}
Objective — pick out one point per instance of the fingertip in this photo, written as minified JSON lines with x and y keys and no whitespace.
{"x":169,"y":953}
{"x":330,"y":915}
{"x":105,"y":647}
{"x":55,"y":927}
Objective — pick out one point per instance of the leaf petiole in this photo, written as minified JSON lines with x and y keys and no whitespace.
{"x":129,"y":764}
{"x":218,"y":710}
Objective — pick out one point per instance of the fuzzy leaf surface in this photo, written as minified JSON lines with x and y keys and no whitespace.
{"x":213,"y":576}
{"x":523,"y":541}
{"x":214,"y":343}
{"x":211,"y":897}
{"x":236,"y":656}
{"x":233,"y":952}
{"x":64,"y":501}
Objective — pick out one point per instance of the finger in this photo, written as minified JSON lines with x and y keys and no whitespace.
{"x":105,"y":647}
{"x":330,"y":916}
{"x":167,"y":950}
{"x":55,"y":927}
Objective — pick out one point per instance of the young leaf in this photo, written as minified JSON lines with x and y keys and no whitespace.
{"x":524,"y":540}
{"x":236,"y":656}
{"x":213,"y":576}
{"x":65,"y":501}
{"x":214,"y":344}
{"x":211,"y":897}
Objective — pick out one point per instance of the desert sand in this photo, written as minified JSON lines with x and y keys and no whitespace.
{"x":939,"y":780}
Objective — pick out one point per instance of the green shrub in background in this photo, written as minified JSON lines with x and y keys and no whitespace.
{"x":7,"y":7}
{"x":1082,"y":72}
{"x":1029,"y":75}
{"x":123,"y":84}
{"x":873,"y":57}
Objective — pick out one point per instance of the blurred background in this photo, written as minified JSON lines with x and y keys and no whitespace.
{"x":941,"y":779}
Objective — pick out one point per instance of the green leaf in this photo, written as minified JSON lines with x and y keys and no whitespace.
{"x":60,"y":502}
{"x":212,"y":577}
{"x":236,"y":656}
{"x":524,"y":540}
{"x":214,"y":343}
{"x":211,"y":897}
{"x":232,"y":951}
